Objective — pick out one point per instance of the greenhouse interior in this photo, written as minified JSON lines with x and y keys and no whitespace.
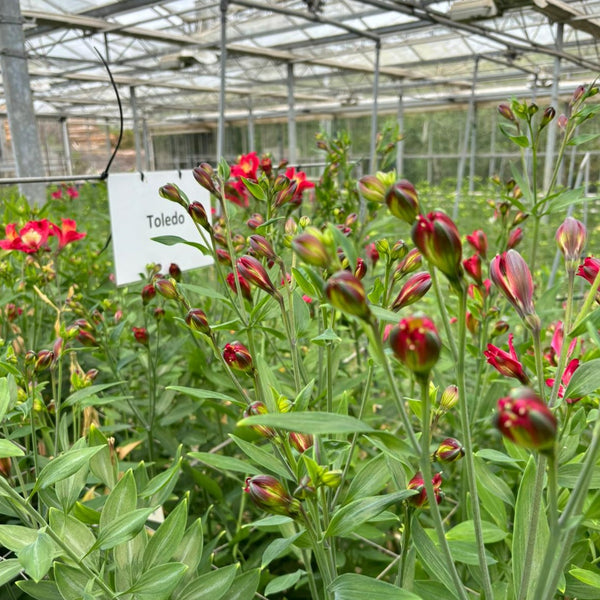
{"x":299,"y":299}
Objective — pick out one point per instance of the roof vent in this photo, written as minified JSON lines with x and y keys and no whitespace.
{"x":470,"y":10}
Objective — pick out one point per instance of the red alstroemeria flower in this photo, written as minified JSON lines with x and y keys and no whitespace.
{"x":301,"y":182}
{"x":506,"y":363}
{"x":72,"y":192}
{"x":556,"y":344}
{"x":56,"y":195}
{"x":564,"y":381}
{"x":236,"y":192}
{"x":247,"y":166}
{"x":67,"y":233}
{"x":30,"y":239}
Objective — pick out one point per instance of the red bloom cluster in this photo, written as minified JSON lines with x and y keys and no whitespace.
{"x":34,"y":235}
{"x":69,"y":192}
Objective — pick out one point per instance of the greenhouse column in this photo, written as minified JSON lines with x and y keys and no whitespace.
{"x":400,"y":143}
{"x":373,"y":154}
{"x":250,"y":147}
{"x":19,"y":101}
{"x":66,"y":145}
{"x":221,"y":125}
{"x":147,"y":146}
{"x":136,"y":130}
{"x":291,"y":116}
{"x":551,"y":139}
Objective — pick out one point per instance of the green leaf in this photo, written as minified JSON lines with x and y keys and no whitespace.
{"x":75,"y":534}
{"x":163,"y":482}
{"x":278,"y":548}
{"x":303,"y":283}
{"x":64,"y":466}
{"x":582,"y":139}
{"x":210,"y":586}
{"x":466,"y":552}
{"x":8,"y":449}
{"x":327,"y":337}
{"x":581,"y":326}
{"x":345,"y":244}
{"x":226,"y":463}
{"x":92,"y":390}
{"x":189,"y":551}
{"x":262,"y":457}
{"x":383,"y":314}
{"x":203,"y":291}
{"x":206,"y":395}
{"x":71,"y":582}
{"x":37,"y":557}
{"x":123,"y":499}
{"x":568,"y":475}
{"x":520,"y":140}
{"x":158,"y":582}
{"x":465,"y":532}
{"x":349,"y":517}
{"x":16,"y":537}
{"x":352,"y":586}
{"x":171,"y":240}
{"x":370,"y":479}
{"x":5,"y":396}
{"x":588,"y":577}
{"x":44,"y":590}
{"x":497,"y":457}
{"x":255,"y":189}
{"x":309,"y":422}
{"x":523,"y":510}
{"x":244,"y":586}
{"x":123,"y":528}
{"x":283,"y":582}
{"x":493,"y":483}
{"x":585,"y":380}
{"x":9,"y":569}
{"x":166,"y":539}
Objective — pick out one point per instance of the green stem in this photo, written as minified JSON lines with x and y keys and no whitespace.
{"x":444,"y":313}
{"x":31,"y":386}
{"x":291,"y":340}
{"x":425,"y":461}
{"x":322,"y":560}
{"x":587,"y":304}
{"x":539,"y":365}
{"x":468,"y":444}
{"x":408,"y":517}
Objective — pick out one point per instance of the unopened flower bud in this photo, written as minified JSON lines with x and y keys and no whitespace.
{"x":499,"y":328}
{"x":304,"y":221}
{"x":371,"y":188}
{"x":525,"y":420}
{"x":44,"y":360}
{"x":533,"y":109}
{"x":141,"y":335}
{"x":577,"y":94}
{"x":290,"y":226}
{"x":403,"y":201}
{"x":175,"y":271}
{"x":409,"y":264}
{"x":255,"y":221}
{"x":174,"y":194}
{"x":159,"y":313}
{"x":562,"y":122}
{"x":301,"y":441}
{"x":399,"y":250}
{"x":331,"y":479}
{"x":262,"y":247}
{"x":198,"y":214}
{"x":166,"y":288}
{"x":85,"y":338}
{"x":253,"y":271}
{"x":244,"y":286}
{"x":361,"y":268}
{"x":259,"y":408}
{"x":311,"y":249}
{"x":286,"y":195}
{"x":148,"y":293}
{"x":515,"y":238}
{"x":449,"y":451}
{"x":417,"y":483}
{"x":416,"y":343}
{"x":197,"y":321}
{"x":204,"y":175}
{"x":269,"y":494}
{"x":571,"y":237}
{"x":506,"y":112}
{"x":238,"y":357}
{"x":223,"y":257}
{"x":472,"y":268}
{"x":549,"y":114}
{"x":449,"y":398}
{"x":415,"y":287}
{"x":346,"y":293}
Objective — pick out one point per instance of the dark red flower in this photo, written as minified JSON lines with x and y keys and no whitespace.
{"x":247,"y":166}
{"x":417,"y":483}
{"x":238,"y":357}
{"x":416,"y":343}
{"x":478,"y":240}
{"x":506,"y":363}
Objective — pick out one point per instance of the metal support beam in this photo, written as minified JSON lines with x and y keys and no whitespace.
{"x":136,"y":130}
{"x":473,"y":151}
{"x":492,"y":164}
{"x":19,"y":101}
{"x":251,"y":146}
{"x":552,"y":127}
{"x":467,"y":135}
{"x":223,"y":66}
{"x":66,"y":145}
{"x":148,"y":160}
{"x":373,"y":153}
{"x":400,"y":143}
{"x":291,"y":121}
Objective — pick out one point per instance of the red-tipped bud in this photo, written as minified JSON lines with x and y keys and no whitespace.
{"x":166,"y":288}
{"x":223,"y":257}
{"x":148,"y":293}
{"x":311,"y":249}
{"x":449,"y":398}
{"x":290,"y":226}
{"x":403,"y":201}
{"x":416,"y":343}
{"x":437,"y":237}
{"x":198,"y":214}
{"x":196,"y":320}
{"x":175,"y":271}
{"x":244,"y":286}
{"x":478,"y":240}
{"x":44,"y":360}
{"x":141,"y":335}
{"x":514,"y":239}
{"x":415,"y":287}
{"x":330,"y":479}
{"x":571,"y":237}
{"x":506,"y":363}
{"x":472,"y":323}
{"x":472,"y":267}
{"x":409,"y":264}
{"x":506,"y":112}
{"x":511,"y":275}
{"x":562,"y":122}
{"x":549,"y":114}
{"x":371,"y":188}
{"x":301,"y":441}
{"x":159,"y":313}
{"x":499,"y":328}
{"x":204,"y":175}
{"x":287,"y":194}
{"x":374,"y":250}
{"x":261,"y":247}
{"x":174,"y":194}
{"x":346,"y":293}
{"x":269,"y":494}
{"x":253,"y":271}
{"x":259,"y":408}
{"x":417,"y":483}
{"x":577,"y":94}
{"x":399,"y":250}
{"x":238,"y":357}
{"x":85,"y":338}
{"x":526,"y":420}
{"x":361,"y":268}
{"x":255,"y":221}
{"x":449,"y":451}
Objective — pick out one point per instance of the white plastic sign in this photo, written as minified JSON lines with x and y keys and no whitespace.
{"x":138,"y":214}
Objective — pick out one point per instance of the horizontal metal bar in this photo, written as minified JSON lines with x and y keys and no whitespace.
{"x":50,"y":179}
